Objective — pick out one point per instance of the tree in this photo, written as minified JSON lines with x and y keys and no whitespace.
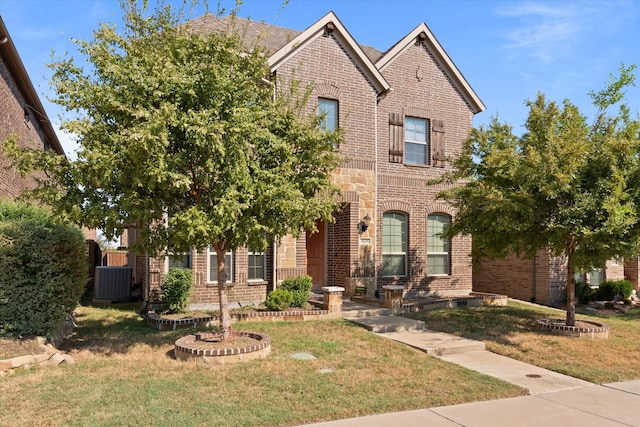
{"x":564,"y":185}
{"x":185,"y":135}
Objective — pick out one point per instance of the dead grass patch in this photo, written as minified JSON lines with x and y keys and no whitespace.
{"x":125,"y":374}
{"x":510,"y":331}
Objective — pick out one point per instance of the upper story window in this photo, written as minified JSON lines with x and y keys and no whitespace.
{"x":394,"y":244}
{"x":212,"y":267}
{"x":328,"y":112}
{"x":257,"y":265}
{"x":416,"y":141}
{"x":438,"y":246}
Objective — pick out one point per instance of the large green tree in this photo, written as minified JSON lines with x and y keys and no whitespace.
{"x":565,"y":184}
{"x":185,"y":135}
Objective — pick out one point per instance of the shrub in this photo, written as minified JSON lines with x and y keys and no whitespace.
{"x":610,"y":288}
{"x":584,"y":293}
{"x":176,"y":289}
{"x":43,"y":270}
{"x":279,"y":300}
{"x":300,"y":288}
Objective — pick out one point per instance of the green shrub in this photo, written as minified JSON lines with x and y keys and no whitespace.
{"x":610,"y":288}
{"x":584,"y":293}
{"x":176,"y":289}
{"x":279,"y":300}
{"x":300,"y":288}
{"x":43,"y":270}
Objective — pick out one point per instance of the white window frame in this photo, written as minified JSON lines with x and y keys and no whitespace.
{"x":406,"y":245}
{"x":323,"y":112}
{"x":229,"y":268}
{"x":264,"y":266}
{"x":447,"y":254}
{"x":424,"y":143}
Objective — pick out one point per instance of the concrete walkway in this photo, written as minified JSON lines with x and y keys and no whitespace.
{"x":554,"y":399}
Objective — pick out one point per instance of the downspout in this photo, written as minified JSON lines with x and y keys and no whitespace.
{"x":275,"y":257}
{"x":534,"y":278}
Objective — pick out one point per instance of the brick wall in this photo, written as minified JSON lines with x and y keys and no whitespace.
{"x":12,"y":122}
{"x":421,"y":89}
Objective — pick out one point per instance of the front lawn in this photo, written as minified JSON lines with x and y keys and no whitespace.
{"x":510,"y":331}
{"x":125,"y":374}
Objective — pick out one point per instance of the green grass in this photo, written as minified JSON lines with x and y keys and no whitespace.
{"x":510,"y":331}
{"x":125,"y":374}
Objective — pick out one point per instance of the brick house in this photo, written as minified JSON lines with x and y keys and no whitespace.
{"x":22,"y":114}
{"x":405,"y":112}
{"x":541,"y":279}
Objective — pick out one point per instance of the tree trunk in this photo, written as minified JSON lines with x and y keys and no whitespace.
{"x":571,"y":284}
{"x":225,"y":318}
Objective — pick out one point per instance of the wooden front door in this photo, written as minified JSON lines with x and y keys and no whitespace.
{"x":316,"y":256}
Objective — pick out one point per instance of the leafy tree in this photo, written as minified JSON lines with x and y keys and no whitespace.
{"x":565,"y":184}
{"x":185,"y":135}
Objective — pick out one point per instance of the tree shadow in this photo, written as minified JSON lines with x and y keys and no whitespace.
{"x":499,"y":324}
{"x":106,"y":333}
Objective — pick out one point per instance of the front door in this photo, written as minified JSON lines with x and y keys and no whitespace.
{"x":316,"y":256}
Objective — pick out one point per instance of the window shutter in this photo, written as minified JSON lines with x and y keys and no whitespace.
{"x":438,"y":155}
{"x":396,"y":137}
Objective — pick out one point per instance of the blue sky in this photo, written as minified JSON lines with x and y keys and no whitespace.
{"x":507,"y":50}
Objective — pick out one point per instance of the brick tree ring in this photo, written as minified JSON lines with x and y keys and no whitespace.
{"x":206,"y":347}
{"x":581,"y":329}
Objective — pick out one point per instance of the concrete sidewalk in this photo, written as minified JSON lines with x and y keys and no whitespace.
{"x":554,"y":399}
{"x":609,"y":405}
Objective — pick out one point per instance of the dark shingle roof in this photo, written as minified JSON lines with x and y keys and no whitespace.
{"x":271,"y":36}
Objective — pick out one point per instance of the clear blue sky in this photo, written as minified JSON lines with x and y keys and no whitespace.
{"x":507,"y":50}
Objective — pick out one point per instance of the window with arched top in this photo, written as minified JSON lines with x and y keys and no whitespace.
{"x":438,"y":246}
{"x":394,"y":244}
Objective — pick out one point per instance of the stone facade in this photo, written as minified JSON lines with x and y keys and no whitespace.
{"x":415,"y":78}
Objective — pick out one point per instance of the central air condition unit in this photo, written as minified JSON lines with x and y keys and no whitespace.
{"x":112,"y":283}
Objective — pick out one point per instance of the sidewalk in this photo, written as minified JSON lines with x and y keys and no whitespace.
{"x":609,"y":405}
{"x":554,"y":399}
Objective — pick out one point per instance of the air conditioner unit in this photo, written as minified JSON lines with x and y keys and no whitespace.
{"x":113,"y":283}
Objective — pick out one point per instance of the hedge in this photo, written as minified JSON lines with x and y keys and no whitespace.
{"x":43,"y":270}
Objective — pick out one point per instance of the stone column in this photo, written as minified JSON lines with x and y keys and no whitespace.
{"x":332,"y":298}
{"x":393,"y":297}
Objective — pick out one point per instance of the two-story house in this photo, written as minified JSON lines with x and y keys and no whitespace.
{"x":405,"y":113}
{"x":21,"y":115}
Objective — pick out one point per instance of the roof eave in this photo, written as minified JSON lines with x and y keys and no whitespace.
{"x":307,"y":36}
{"x":442,"y":57}
{"x":17,"y":70}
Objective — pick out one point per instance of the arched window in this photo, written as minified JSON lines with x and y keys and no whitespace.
{"x":394,"y":244}
{"x":438,"y":247}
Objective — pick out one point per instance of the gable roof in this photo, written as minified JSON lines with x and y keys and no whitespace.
{"x":426,"y":36}
{"x":280,"y":43}
{"x":330,"y":20}
{"x":16,"y":68}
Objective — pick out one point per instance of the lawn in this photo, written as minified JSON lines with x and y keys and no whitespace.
{"x":125,"y":374}
{"x":510,"y":331}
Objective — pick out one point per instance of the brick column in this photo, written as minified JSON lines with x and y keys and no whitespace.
{"x":393,"y":297}
{"x":332,"y":298}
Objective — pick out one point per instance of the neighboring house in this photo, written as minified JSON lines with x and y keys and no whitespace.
{"x":541,"y":279}
{"x":405,"y":112}
{"x":22,"y":114}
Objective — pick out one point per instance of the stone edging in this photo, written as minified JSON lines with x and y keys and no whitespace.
{"x":187,"y":348}
{"x":162,"y":324}
{"x":50,"y":356}
{"x":557,"y":326}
